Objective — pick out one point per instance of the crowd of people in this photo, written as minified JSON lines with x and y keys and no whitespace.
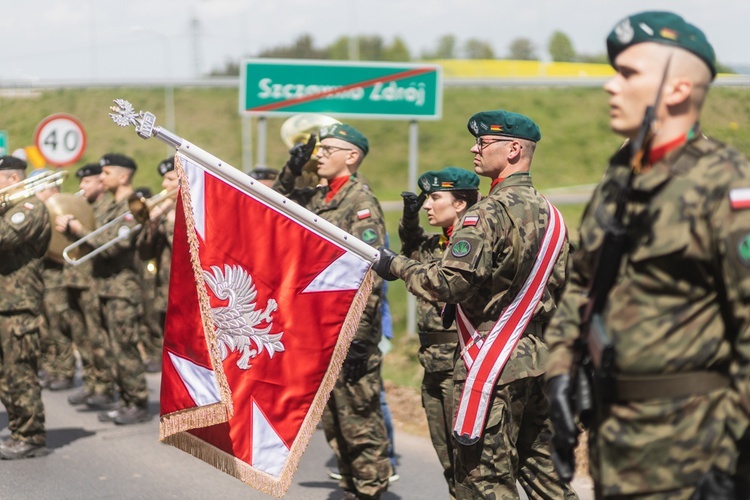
{"x":639,"y":332}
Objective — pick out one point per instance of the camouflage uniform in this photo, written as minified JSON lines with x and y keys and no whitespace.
{"x":353,"y":421}
{"x":24,"y":237}
{"x":57,"y":359}
{"x":679,"y":305}
{"x":503,"y":246}
{"x":91,"y":340}
{"x":437,"y":351}
{"x":115,"y":271}
{"x":155,"y":242}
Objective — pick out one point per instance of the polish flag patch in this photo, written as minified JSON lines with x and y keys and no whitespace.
{"x":739,"y":198}
{"x":471,"y":220}
{"x":363,"y":214}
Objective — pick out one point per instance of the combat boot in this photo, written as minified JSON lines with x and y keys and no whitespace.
{"x":60,"y":384}
{"x":132,"y":415}
{"x":100,"y":402}
{"x":13,"y":449}
{"x":79,"y":397}
{"x":108,"y":415}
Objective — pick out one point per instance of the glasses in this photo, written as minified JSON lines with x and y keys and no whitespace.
{"x":327,"y":151}
{"x":483,"y":144}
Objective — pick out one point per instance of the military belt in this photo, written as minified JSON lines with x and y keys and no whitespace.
{"x":669,"y":386}
{"x":432,"y":338}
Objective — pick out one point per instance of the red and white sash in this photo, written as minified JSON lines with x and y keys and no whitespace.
{"x":486,"y":358}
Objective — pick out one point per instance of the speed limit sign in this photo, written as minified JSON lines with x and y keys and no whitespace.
{"x":60,"y":139}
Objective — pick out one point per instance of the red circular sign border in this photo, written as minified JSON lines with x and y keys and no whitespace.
{"x":58,"y":116}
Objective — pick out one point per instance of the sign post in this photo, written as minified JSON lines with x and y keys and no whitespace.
{"x":61,"y":139}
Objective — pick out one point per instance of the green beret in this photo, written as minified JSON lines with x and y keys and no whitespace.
{"x":346,"y":133}
{"x":448,"y":179}
{"x":505,"y":123}
{"x":9,"y":162}
{"x":660,"y":27}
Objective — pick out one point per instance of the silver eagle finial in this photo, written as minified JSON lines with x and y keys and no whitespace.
{"x":123,"y":114}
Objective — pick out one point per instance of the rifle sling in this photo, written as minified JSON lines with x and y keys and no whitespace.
{"x":669,"y":386}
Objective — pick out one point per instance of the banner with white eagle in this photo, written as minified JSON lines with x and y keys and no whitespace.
{"x":264,"y":299}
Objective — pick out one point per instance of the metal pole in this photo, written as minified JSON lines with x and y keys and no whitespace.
{"x":262,"y":128}
{"x":411,"y":301}
{"x":247,"y":143}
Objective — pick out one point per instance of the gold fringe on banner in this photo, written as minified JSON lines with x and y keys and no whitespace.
{"x":220,"y":412}
{"x":278,"y":486}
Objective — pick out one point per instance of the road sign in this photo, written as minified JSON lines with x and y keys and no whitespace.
{"x":60,"y":139}
{"x":347,"y":89}
{"x":3,"y":142}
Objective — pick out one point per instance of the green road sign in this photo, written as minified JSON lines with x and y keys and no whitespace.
{"x":3,"y":142}
{"x":359,"y":90}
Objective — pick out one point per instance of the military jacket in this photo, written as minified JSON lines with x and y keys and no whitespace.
{"x":354,"y":209}
{"x":24,"y":238}
{"x":155,"y":242}
{"x":680,"y":303}
{"x":423,"y":247}
{"x":485,"y":265}
{"x":115,"y":269}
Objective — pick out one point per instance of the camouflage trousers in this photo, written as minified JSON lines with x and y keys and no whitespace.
{"x":58,"y":354}
{"x":354,"y":428}
{"x":515,"y":446}
{"x":152,"y":332}
{"x":122,"y":322}
{"x":20,"y":391}
{"x":437,"y":401}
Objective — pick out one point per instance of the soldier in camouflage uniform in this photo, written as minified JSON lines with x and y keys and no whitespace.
{"x":90,"y":339}
{"x":24,"y":237}
{"x":678,"y":312}
{"x":155,"y":242}
{"x":490,"y":255}
{"x":352,"y":421}
{"x":448,"y":193}
{"x":116,"y":273}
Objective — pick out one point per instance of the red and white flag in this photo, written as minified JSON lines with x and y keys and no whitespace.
{"x":262,"y":309}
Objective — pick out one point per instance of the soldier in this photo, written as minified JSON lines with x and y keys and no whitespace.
{"x":448,"y":193}
{"x":491,"y":270}
{"x":90,"y":340}
{"x":155,"y":242}
{"x":117,"y":278}
{"x":352,"y":421}
{"x":673,"y":321}
{"x":24,"y":237}
{"x":57,"y":360}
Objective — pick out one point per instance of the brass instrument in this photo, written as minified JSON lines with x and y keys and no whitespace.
{"x":20,"y":191}
{"x":61,"y":204}
{"x":297,"y":129}
{"x":140,"y":208}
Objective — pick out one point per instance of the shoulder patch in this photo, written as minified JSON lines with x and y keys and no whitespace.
{"x":18,"y":218}
{"x":739,"y":198}
{"x":460,"y":248}
{"x":743,"y":249}
{"x":28,"y":206}
{"x":363,"y":214}
{"x":369,"y":235}
{"x":470,"y":220}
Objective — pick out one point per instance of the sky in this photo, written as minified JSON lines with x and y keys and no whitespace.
{"x":182,"y":39}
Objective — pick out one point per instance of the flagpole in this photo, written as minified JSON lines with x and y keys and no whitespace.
{"x":124,"y":115}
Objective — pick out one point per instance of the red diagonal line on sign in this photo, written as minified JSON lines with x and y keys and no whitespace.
{"x":366,"y":83}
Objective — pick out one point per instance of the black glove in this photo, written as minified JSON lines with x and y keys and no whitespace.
{"x":448,"y":315}
{"x":355,"y":364}
{"x":412,"y":203}
{"x":566,"y":433}
{"x":300,"y":154}
{"x":383,"y":265}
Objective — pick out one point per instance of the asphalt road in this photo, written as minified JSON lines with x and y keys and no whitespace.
{"x":94,"y":460}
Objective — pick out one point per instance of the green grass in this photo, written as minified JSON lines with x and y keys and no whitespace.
{"x":576,"y":144}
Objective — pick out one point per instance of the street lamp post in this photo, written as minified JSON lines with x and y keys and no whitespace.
{"x":168,"y":84}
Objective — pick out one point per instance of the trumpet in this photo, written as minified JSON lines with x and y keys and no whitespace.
{"x":298,"y":129}
{"x":140,"y":207}
{"x":20,"y":191}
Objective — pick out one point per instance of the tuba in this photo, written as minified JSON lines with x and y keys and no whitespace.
{"x":297,"y":129}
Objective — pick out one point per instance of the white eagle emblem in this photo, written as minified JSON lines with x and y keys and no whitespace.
{"x":239,"y":324}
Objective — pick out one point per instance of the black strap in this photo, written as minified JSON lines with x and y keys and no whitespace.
{"x":669,"y":386}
